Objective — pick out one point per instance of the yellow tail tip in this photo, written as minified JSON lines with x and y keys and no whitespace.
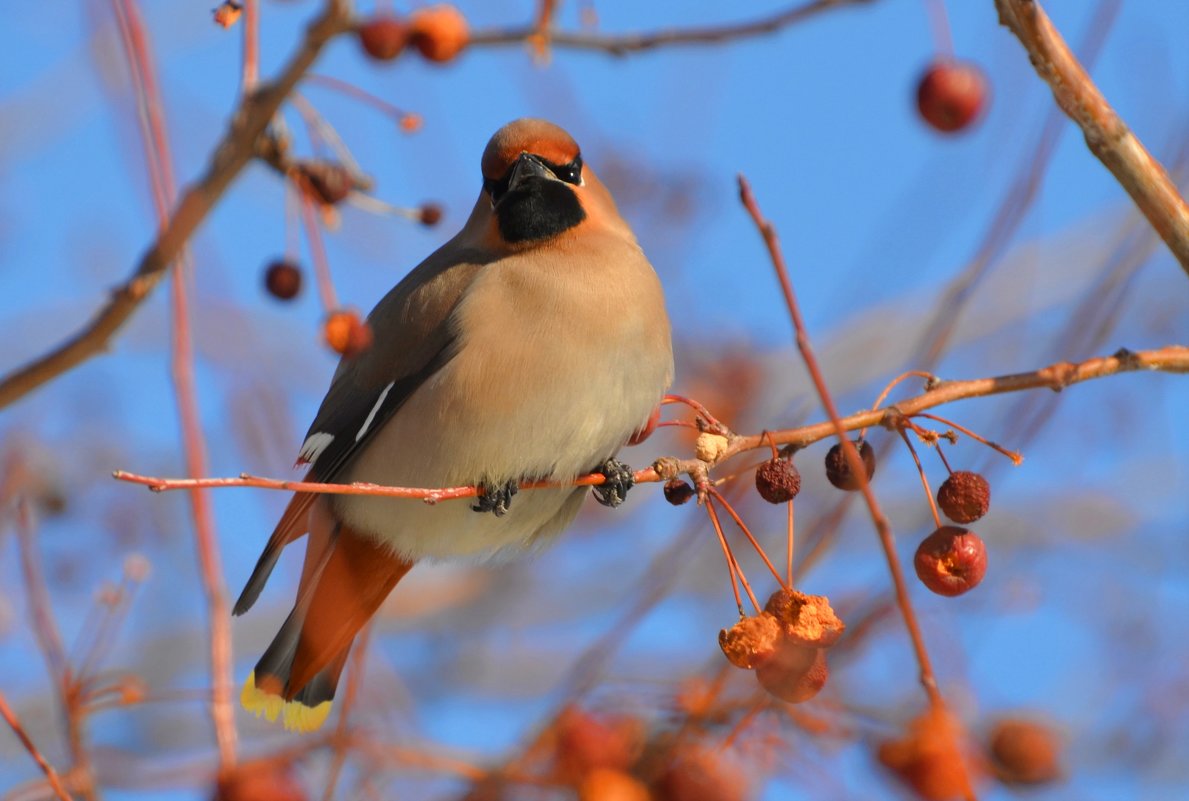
{"x":267,"y":700}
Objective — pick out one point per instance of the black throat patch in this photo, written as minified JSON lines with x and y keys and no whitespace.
{"x":538,"y":208}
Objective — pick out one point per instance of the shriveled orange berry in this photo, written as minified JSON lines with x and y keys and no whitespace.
{"x":951,"y":561}
{"x":951,"y":94}
{"x":805,"y":619}
{"x":227,"y":13}
{"x":383,"y":37}
{"x":698,"y":773}
{"x":931,"y":757}
{"x":795,"y":672}
{"x":439,"y":32}
{"x":964,"y":497}
{"x":347,"y":334}
{"x":282,"y":279}
{"x":585,"y":742}
{"x":778,"y":480}
{"x":1025,"y":752}
{"x":750,"y":641}
{"x":838,"y":468}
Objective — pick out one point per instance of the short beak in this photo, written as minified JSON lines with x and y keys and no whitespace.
{"x":527,"y":166}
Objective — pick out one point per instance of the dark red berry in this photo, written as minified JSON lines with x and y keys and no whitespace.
{"x":951,"y":94}
{"x":1025,"y":752}
{"x":677,"y":491}
{"x":838,"y":469}
{"x":429,"y":214}
{"x":951,"y":561}
{"x":383,"y":37}
{"x":778,"y":480}
{"x":282,"y":279}
{"x":964,"y":496}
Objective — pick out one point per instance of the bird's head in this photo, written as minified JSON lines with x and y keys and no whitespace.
{"x":535,"y":183}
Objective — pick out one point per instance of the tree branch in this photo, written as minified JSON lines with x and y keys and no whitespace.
{"x":234,"y":151}
{"x":1107,"y":136}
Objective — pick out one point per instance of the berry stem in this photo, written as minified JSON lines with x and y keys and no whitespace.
{"x":397,"y":114}
{"x":730,"y":510}
{"x":699,"y":409}
{"x":791,"y":538}
{"x":944,"y":460}
{"x":924,"y":479}
{"x":939,"y":25}
{"x":1015,"y":457}
{"x":892,"y":385}
{"x":732,"y":564}
{"x":326,"y":291}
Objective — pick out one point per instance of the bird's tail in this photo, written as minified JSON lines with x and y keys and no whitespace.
{"x":345,"y":578}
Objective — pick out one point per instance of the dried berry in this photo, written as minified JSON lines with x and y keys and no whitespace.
{"x":677,"y":491}
{"x":227,"y":13}
{"x":964,"y":496}
{"x":778,"y":480}
{"x":951,"y":94}
{"x":383,"y":37}
{"x":930,"y":757}
{"x":347,"y":334}
{"x":282,"y":279}
{"x":750,"y":641}
{"x":585,"y":742}
{"x":329,"y":183}
{"x":710,"y":447}
{"x":260,"y":780}
{"x":838,"y":469}
{"x":794,"y":673}
{"x":951,"y":561}
{"x":1025,"y":752}
{"x":805,"y":619}
{"x":700,"y":773}
{"x":439,"y":32}
{"x":429,"y":214}
{"x":605,"y":784}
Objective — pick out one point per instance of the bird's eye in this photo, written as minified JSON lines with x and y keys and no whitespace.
{"x":570,"y":173}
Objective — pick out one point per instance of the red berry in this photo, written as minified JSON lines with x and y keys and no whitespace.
{"x":429,"y":214}
{"x":677,"y":491}
{"x":282,"y":279}
{"x":347,"y":334}
{"x":439,"y":32}
{"x":750,"y":641}
{"x":795,"y":673}
{"x":838,"y":469}
{"x":930,"y":757}
{"x":778,"y":480}
{"x":951,"y":561}
{"x":383,"y":37}
{"x":586,"y":742}
{"x":1025,"y":752}
{"x":951,"y":94}
{"x":964,"y":496}
{"x":697,"y":772}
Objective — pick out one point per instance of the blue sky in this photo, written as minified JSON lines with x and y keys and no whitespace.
{"x":876,"y":213}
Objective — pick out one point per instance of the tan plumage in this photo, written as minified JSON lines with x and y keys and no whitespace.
{"x":531,"y":345}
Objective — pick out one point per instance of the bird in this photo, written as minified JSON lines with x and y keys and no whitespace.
{"x":531,"y":346}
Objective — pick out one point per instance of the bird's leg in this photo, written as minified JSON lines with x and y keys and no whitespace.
{"x":496,"y":497}
{"x":619,"y":479}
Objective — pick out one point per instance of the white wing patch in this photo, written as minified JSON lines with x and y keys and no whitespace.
{"x":372,"y":414}
{"x":312,"y":448}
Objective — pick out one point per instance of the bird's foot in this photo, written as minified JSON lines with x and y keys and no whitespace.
{"x":496,"y":497}
{"x":619,"y":479}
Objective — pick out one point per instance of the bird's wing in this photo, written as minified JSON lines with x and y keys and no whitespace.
{"x":412,"y":340}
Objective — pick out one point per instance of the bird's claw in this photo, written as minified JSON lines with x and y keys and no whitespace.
{"x":496,"y":497}
{"x":618,"y":479}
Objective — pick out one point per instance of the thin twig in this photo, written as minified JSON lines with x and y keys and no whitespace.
{"x":1107,"y":136}
{"x":883,"y":528}
{"x":624,"y":44}
{"x":234,"y":151}
{"x":51,"y":776}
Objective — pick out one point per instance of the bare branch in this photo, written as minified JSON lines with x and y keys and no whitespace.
{"x":1107,"y":136}
{"x":235,"y":150}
